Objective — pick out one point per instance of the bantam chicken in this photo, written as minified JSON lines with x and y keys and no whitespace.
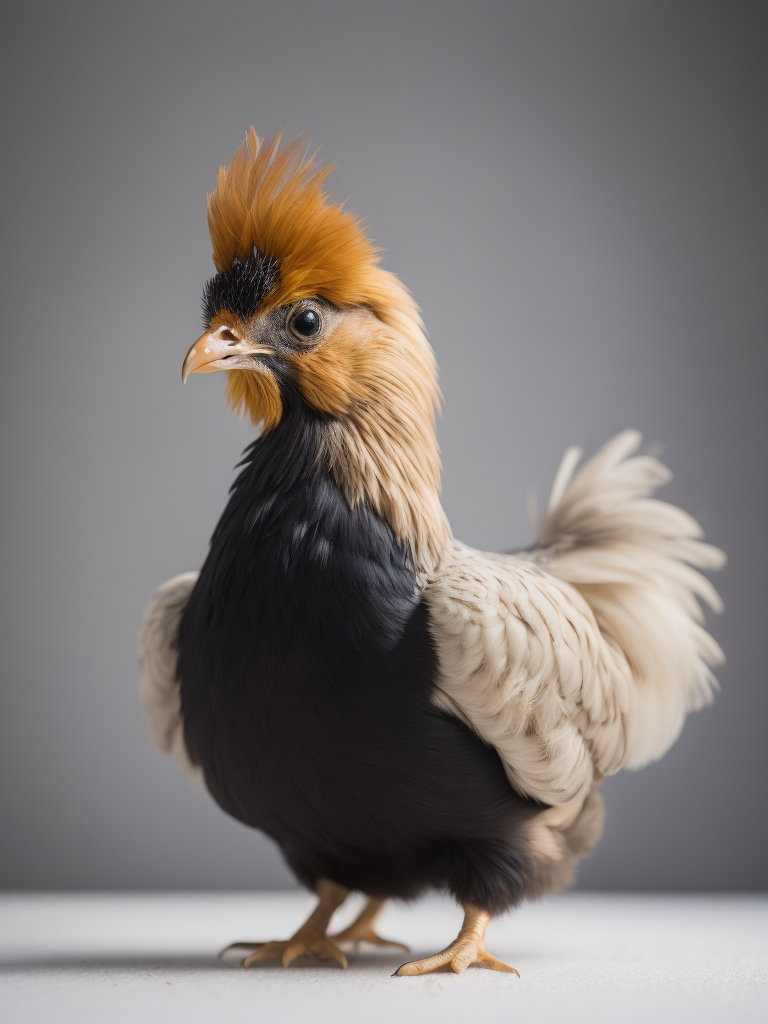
{"x":396,"y":710}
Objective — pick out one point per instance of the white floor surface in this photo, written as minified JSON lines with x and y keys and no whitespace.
{"x":581,"y":957}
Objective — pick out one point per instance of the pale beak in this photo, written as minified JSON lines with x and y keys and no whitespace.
{"x":215,"y":351}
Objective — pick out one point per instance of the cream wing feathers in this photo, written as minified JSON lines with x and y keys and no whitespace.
{"x":158,"y":686}
{"x":584,"y":655}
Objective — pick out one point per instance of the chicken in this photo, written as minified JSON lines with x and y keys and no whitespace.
{"x":396,"y":710}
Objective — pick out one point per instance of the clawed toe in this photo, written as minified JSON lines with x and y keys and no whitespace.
{"x":300,"y":945}
{"x":351,"y":936}
{"x":492,"y":964}
{"x":362,"y":930}
{"x":458,"y":960}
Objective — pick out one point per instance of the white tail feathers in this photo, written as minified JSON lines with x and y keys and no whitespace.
{"x":635,"y":560}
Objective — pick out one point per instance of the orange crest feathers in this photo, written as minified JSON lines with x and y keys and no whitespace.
{"x":274,"y":200}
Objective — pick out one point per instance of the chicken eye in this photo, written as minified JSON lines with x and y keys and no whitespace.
{"x":306,"y":323}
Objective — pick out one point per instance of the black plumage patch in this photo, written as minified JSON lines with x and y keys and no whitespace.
{"x":307,"y":666}
{"x":242,"y":288}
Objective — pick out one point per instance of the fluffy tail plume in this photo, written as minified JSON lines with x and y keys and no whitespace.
{"x":635,"y":560}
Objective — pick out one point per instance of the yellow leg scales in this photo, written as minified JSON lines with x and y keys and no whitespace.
{"x":362,"y":930}
{"x":468,"y":948}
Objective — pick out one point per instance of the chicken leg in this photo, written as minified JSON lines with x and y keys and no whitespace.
{"x":361,"y":929}
{"x":468,"y":948}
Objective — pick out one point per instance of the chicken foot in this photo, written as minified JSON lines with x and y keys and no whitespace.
{"x":362,"y":930}
{"x":311,"y":939}
{"x":468,"y":948}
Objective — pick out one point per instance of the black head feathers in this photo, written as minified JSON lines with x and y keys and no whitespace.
{"x":242,"y":288}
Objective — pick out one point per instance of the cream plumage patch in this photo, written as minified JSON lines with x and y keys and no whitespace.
{"x":158,"y":685}
{"x":584,"y":655}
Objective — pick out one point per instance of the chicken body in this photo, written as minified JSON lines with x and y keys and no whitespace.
{"x":318,"y":725}
{"x":396,"y":710}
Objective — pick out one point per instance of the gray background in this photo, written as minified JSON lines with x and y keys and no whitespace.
{"x":575,"y":193}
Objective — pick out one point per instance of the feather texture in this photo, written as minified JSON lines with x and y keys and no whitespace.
{"x":158,"y":686}
{"x":274,"y":200}
{"x":584,"y":655}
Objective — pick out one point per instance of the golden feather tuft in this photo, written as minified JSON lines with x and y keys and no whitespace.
{"x":256,"y":395}
{"x":274,"y":200}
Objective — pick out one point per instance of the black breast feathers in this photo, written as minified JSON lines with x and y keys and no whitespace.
{"x":306,"y":669}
